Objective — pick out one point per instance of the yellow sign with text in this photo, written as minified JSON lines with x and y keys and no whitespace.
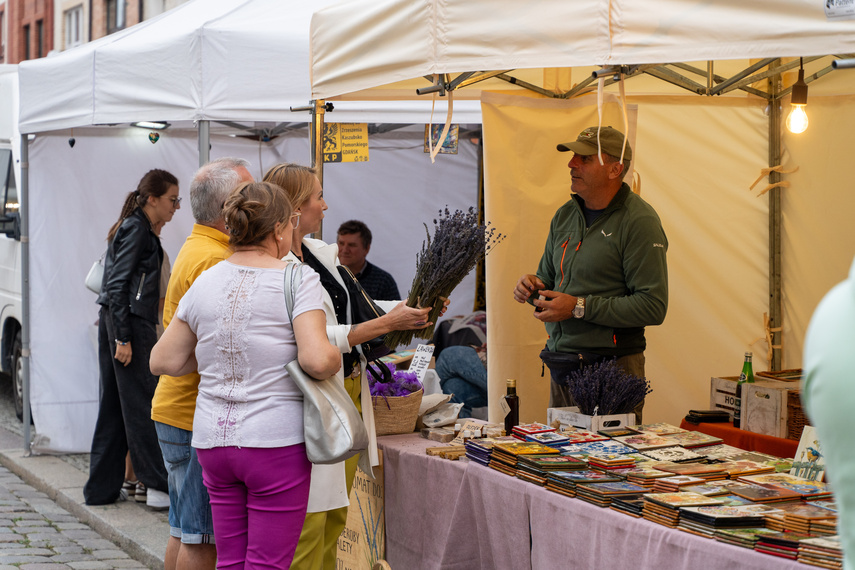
{"x":345,"y":142}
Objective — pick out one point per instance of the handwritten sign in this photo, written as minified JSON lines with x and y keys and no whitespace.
{"x":421,"y":360}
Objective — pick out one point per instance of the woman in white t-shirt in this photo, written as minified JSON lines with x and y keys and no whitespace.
{"x":232,"y":326}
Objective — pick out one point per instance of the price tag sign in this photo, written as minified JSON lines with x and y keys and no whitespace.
{"x":504,"y":405}
{"x":421,"y":360}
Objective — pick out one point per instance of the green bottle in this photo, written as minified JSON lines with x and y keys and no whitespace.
{"x":747,"y":376}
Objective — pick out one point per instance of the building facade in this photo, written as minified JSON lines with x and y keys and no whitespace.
{"x":32,"y":28}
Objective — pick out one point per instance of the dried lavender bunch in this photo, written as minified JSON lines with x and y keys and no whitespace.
{"x":400,"y":382}
{"x":459,"y":241}
{"x":607,"y":387}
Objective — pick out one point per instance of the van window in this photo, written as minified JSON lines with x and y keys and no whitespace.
{"x":8,"y":188}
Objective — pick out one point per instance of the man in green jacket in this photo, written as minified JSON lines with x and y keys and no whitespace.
{"x":603,"y":275}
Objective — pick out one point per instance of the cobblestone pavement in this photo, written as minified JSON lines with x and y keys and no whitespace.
{"x":36,"y":534}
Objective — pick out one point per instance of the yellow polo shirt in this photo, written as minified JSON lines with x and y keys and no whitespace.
{"x":174,"y":401}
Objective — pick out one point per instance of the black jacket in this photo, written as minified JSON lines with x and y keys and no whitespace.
{"x":131,"y":284}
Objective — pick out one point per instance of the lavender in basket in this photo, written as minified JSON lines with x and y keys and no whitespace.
{"x":400,"y":382}
{"x":459,"y":241}
{"x":606,"y":387}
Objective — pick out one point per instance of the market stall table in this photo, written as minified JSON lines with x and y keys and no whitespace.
{"x":777,"y":446}
{"x":462,"y":515}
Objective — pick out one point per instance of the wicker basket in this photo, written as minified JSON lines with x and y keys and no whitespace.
{"x":396,"y":414}
{"x":796,"y":418}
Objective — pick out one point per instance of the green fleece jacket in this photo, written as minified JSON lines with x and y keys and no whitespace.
{"x":618,"y":265}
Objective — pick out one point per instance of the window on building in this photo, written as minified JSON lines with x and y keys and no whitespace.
{"x":27,"y":52}
{"x":73,"y":27}
{"x":2,"y":37}
{"x":40,"y":38}
{"x":115,"y":15}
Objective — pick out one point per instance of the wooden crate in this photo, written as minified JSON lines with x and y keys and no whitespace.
{"x":723,"y":393}
{"x":766,"y":407}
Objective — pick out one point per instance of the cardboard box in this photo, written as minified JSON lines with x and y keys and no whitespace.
{"x":571,"y":417}
{"x":765,"y":407}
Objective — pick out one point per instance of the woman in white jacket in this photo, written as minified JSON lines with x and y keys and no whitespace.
{"x":328,"y":496}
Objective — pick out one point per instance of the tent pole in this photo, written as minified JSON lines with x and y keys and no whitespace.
{"x":316,"y":141}
{"x":775,"y":217}
{"x":23,"y":212}
{"x":204,"y":135}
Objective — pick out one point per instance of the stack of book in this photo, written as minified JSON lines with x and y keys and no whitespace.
{"x":646,"y":441}
{"x":632,"y":505}
{"x":564,"y":482}
{"x":616,"y":432}
{"x":674,"y":454}
{"x":644,"y":476}
{"x":707,"y":472}
{"x":523,"y":430}
{"x":548,"y":438}
{"x":783,"y":544}
{"x":743,"y":537}
{"x":610,"y":461}
{"x":534,"y":468}
{"x":657,"y":429}
{"x":805,"y":518}
{"x":762,"y":493}
{"x":581,"y":436}
{"x":601,"y":494}
{"x":674,"y":483}
{"x":479,"y":450}
{"x":806,"y":489}
{"x":505,"y":455}
{"x":692,"y":439}
{"x":709,"y":488}
{"x":736,"y":469}
{"x":824,"y":551}
{"x":664,"y":508}
{"x":704,"y":521}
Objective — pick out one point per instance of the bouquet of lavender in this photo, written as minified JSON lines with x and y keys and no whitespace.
{"x":459,"y":241}
{"x":396,"y":383}
{"x":606,"y":387}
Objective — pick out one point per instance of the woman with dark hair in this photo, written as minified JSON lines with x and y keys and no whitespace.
{"x":233,"y":327}
{"x":129,"y":299}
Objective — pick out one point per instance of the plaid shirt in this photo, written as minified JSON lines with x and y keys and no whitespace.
{"x":378,"y":283}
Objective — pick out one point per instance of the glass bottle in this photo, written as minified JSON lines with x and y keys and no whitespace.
{"x":512,"y":418}
{"x":746,"y":377}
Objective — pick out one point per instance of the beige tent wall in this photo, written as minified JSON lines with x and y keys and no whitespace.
{"x":696,"y":159}
{"x":819,"y":231}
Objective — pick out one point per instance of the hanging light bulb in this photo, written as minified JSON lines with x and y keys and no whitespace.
{"x":797,"y":120}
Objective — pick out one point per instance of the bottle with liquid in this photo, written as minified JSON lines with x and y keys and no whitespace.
{"x":512,"y":418}
{"x":746,"y":377}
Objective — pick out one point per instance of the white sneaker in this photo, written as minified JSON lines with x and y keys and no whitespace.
{"x":157,"y":500}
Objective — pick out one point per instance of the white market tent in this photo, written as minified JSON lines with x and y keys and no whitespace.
{"x":732,"y":256}
{"x":224,"y":71}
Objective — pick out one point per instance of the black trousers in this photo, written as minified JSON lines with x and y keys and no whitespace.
{"x":124,"y":416}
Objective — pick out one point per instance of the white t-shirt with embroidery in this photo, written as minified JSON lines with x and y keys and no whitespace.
{"x":244,"y":340}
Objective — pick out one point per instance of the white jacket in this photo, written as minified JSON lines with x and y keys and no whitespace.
{"x":328,"y":490}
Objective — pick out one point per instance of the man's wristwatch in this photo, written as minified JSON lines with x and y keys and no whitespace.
{"x":579,"y":310}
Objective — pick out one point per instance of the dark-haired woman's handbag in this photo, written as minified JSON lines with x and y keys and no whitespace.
{"x":362,"y":309}
{"x":332,"y":426}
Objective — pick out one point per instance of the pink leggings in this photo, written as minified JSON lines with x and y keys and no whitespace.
{"x":258,"y":500}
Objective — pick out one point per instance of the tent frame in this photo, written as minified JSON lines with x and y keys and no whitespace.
{"x":670,"y":73}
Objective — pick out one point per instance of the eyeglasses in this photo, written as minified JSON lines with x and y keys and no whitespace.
{"x":295,"y":220}
{"x":176,"y":201}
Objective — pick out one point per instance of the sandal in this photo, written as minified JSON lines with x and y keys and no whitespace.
{"x":140,"y":494}
{"x":130,"y":487}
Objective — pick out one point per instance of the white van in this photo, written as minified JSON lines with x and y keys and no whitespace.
{"x":10,"y":235}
